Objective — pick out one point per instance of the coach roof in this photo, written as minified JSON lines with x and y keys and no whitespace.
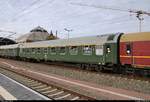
{"x":140,"y":36}
{"x":90,"y":40}
{"x":9,"y":46}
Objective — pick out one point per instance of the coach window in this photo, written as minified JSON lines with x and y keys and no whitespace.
{"x":45,"y":50}
{"x":53,"y":50}
{"x":99,"y":50}
{"x":23,"y":50}
{"x":62,"y":50}
{"x":73,"y":50}
{"x":33,"y":50}
{"x":11,"y":51}
{"x":28,"y":50}
{"x":87,"y":50}
{"x":128,"y":49}
{"x":38,"y":50}
{"x":7,"y":51}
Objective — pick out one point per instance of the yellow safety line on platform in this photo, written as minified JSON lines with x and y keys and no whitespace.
{"x":6,"y":95}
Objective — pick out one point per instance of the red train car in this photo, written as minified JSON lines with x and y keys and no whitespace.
{"x":135,"y":50}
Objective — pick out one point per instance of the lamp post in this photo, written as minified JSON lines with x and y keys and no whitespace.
{"x":68,"y":30}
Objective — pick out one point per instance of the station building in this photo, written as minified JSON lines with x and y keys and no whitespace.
{"x":36,"y":34}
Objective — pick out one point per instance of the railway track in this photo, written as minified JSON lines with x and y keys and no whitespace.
{"x":50,"y":91}
{"x":104,"y":72}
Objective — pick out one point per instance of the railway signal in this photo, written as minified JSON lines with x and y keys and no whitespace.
{"x":139,"y":13}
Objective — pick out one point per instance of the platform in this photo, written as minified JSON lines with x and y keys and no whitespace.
{"x":12,"y":90}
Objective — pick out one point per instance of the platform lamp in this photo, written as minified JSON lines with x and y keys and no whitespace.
{"x":68,"y":30}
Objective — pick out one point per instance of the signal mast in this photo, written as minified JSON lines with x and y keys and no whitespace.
{"x":139,"y":13}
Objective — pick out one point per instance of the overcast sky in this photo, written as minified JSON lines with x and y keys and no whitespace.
{"x":23,"y":15}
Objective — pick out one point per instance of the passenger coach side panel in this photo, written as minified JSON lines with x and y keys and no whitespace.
{"x":135,"y":50}
{"x":141,"y":53}
{"x":79,"y":54}
{"x":135,"y":53}
{"x":110,"y":52}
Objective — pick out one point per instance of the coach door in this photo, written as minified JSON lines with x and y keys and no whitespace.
{"x":108,"y":53}
{"x":20,"y":49}
{"x":129,"y":53}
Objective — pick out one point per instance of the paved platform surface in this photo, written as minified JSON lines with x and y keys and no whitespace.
{"x":17,"y":90}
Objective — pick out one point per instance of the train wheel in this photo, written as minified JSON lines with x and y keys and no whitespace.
{"x":89,"y":67}
{"x":146,"y":73}
{"x":116,"y":69}
{"x":79,"y":65}
{"x":99,"y":68}
{"x":123,"y":70}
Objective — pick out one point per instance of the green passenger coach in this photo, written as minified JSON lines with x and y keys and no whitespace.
{"x":88,"y":52}
{"x":10,"y":51}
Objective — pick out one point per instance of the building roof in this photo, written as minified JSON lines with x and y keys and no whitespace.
{"x":36,"y":34}
{"x":38,"y":29}
{"x":6,"y":41}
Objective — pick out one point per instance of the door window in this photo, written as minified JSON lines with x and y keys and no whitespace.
{"x":108,"y":49}
{"x":128,"y":48}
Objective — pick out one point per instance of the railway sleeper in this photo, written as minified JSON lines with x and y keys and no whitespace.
{"x":40,"y":87}
{"x":56,"y":94}
{"x":65,"y":95}
{"x":49,"y":91}
{"x":44,"y":89}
